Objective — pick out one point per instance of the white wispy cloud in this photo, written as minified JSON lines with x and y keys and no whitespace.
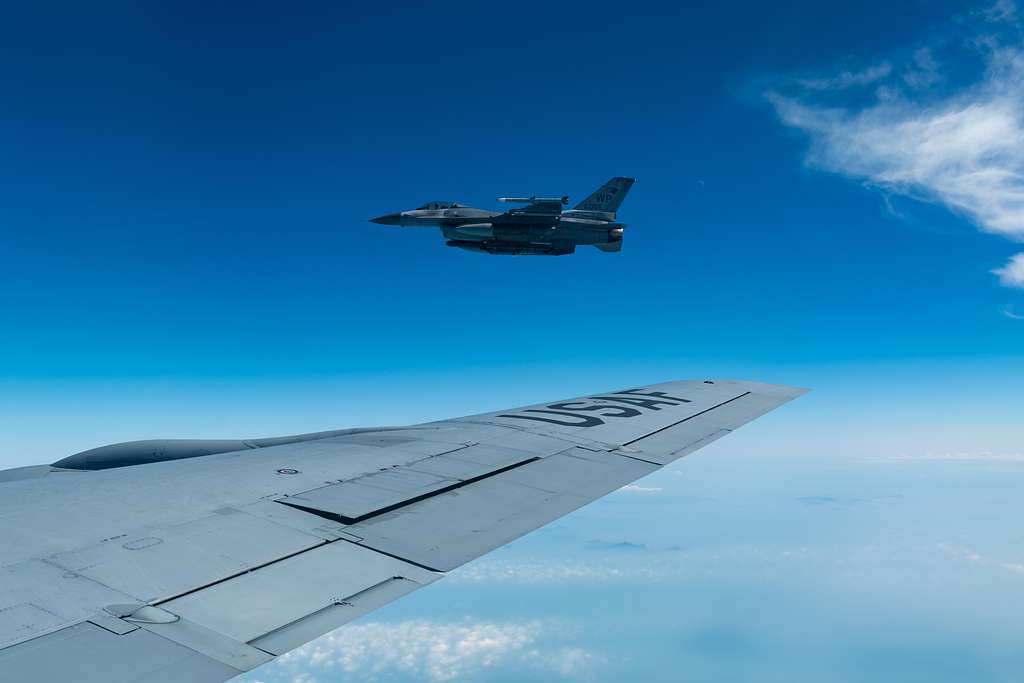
{"x":436,"y":651}
{"x":978,"y":456}
{"x":1012,"y":274}
{"x":1000,"y":10}
{"x":633,"y":488}
{"x":1010,"y":312}
{"x":963,"y":147}
{"x":847,"y":79}
{"x":924,"y":70}
{"x":975,"y":558}
{"x":966,"y":152}
{"x":545,"y":571}
{"x":671,"y":565}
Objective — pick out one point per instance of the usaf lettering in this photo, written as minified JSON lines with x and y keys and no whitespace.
{"x":583,"y":414}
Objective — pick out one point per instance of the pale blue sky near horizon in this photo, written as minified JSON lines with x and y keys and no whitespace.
{"x":827,"y":196}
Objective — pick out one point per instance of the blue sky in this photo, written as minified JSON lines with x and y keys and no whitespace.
{"x":827,"y":196}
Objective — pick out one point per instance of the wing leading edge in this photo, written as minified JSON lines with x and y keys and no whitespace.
{"x":204,"y":568}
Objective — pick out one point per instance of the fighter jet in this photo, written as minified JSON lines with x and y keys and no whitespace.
{"x":541,"y":227}
{"x":192,"y":561}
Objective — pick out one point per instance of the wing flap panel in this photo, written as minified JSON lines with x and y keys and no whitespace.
{"x":86,"y":653}
{"x":260,"y":602}
{"x":447,"y":530}
{"x":315,"y":625}
{"x":158,"y":562}
{"x":37,"y":597}
{"x":359,"y":498}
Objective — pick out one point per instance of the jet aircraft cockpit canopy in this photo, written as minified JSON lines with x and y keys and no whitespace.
{"x":439,"y":205}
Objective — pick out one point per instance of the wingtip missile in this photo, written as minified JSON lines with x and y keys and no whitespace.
{"x":564,"y":200}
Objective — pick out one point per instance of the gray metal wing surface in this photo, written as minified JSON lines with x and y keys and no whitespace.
{"x":202,"y":568}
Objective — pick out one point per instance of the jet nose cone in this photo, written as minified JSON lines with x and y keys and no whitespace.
{"x":388,"y":219}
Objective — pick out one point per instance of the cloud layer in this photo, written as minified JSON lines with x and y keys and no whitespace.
{"x":919,"y":134}
{"x":433,"y":651}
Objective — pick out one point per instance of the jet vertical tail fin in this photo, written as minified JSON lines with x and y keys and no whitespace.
{"x":608,"y":198}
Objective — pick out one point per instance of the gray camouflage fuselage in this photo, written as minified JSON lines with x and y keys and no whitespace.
{"x":540,"y":228}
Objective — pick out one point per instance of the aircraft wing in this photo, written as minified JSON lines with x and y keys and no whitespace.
{"x":536,"y":206}
{"x":202,"y":568}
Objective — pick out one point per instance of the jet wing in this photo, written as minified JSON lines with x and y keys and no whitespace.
{"x":536,"y":206}
{"x":203,"y":568}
